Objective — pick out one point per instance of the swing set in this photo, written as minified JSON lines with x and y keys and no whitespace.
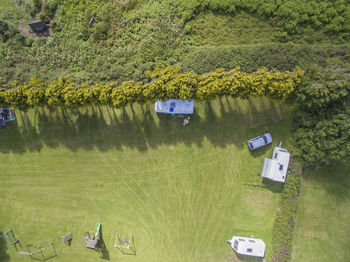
{"x":39,"y":253}
{"x":9,"y":238}
{"x":126,"y":245}
{"x":35,"y":252}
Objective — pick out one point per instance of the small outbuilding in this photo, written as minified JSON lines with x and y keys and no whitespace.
{"x":38,"y":26}
{"x":174,"y":106}
{"x":276,"y":168}
{"x":248,"y":246}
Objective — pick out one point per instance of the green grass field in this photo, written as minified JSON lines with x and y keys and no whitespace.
{"x":322,"y":225}
{"x":181,"y":191}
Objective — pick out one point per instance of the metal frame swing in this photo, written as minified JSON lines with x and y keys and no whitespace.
{"x":9,"y":238}
{"x":125,"y":244}
{"x":34,"y":249}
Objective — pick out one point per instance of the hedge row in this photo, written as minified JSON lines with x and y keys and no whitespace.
{"x":282,"y":232}
{"x":162,"y":83}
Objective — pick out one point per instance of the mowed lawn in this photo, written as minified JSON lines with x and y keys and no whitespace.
{"x":322,"y":230}
{"x":181,"y":191}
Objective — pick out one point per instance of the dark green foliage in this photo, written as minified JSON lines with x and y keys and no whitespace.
{"x":11,"y":35}
{"x":321,"y":139}
{"x":323,"y":89}
{"x":5,"y":33}
{"x":285,"y":219}
{"x":47,"y":12}
{"x":36,"y":7}
{"x":105,"y":19}
{"x":322,"y":118}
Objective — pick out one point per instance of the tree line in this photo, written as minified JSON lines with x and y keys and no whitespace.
{"x":161,"y":83}
{"x":322,"y":116}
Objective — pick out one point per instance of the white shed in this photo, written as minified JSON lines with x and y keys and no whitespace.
{"x":248,"y":246}
{"x":174,"y":106}
{"x":276,"y":168}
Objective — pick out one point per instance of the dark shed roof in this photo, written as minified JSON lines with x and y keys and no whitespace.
{"x":37,"y":26}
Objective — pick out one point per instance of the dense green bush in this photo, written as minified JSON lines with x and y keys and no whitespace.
{"x":36,"y":7}
{"x":9,"y":33}
{"x":47,"y":11}
{"x":162,"y":83}
{"x":322,"y":116}
{"x":282,"y":232}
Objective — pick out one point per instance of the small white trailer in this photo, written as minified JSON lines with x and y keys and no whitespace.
{"x":248,"y":246}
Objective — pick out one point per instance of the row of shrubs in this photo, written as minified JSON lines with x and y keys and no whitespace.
{"x":282,"y":232}
{"x":161,"y":83}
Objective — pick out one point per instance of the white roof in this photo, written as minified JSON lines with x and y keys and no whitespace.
{"x":277,"y":167}
{"x":248,"y":246}
{"x":174,"y":106}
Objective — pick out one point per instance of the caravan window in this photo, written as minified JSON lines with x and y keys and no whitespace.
{"x":265,"y":140}
{"x":235,"y":245}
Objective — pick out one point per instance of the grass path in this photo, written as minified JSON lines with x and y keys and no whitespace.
{"x":322,"y":225}
{"x":179,"y":190}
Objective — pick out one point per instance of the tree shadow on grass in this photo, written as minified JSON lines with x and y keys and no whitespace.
{"x":275,"y":187}
{"x":260,"y":151}
{"x":222,"y":122}
{"x":4,"y":257}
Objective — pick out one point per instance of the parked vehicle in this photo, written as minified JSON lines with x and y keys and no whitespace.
{"x":259,"y":141}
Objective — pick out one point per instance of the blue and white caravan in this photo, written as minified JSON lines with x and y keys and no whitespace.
{"x":174,"y":106}
{"x":6,"y":115}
